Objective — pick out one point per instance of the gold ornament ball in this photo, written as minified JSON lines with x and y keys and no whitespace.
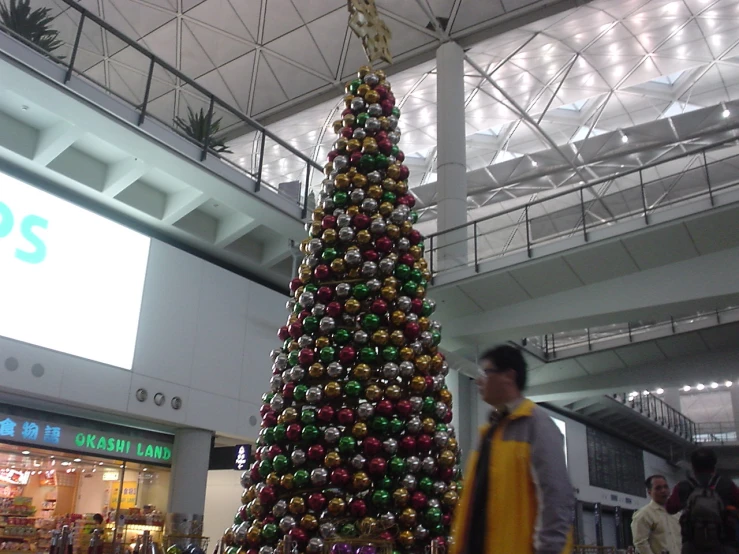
{"x":381,"y":75}
{"x":445,"y":396}
{"x":361,"y":481}
{"x":288,"y":481}
{"x":393,"y":171}
{"x":389,"y":184}
{"x":397,"y":318}
{"x":402,"y":187}
{"x":291,"y":414}
{"x":332,"y":390}
{"x":348,"y":100}
{"x":394,"y":392}
{"x":323,"y":342}
{"x":384,"y":123}
{"x":342,"y":181}
{"x":349,"y":121}
{"x":408,"y":517}
{"x":316,"y":371}
{"x":369,"y":145}
{"x":341,"y":144}
{"x":336,"y":506}
{"x":406,"y":227}
{"x":272,"y":479}
{"x":337,"y":125}
{"x":309,"y":522}
{"x":453,"y":445}
{"x":401,"y":497}
{"x":359,"y":180}
{"x":423,"y":363}
{"x":406,"y":354}
{"x":364,"y":237}
{"x":418,"y":384}
{"x":393,"y":231}
{"x":424,"y":324}
{"x":397,"y":338}
{"x":253,"y":534}
{"x":297,"y":505}
{"x":338,"y":265}
{"x":328,"y":169}
{"x":450,"y":498}
{"x":391,"y":281}
{"x":293,"y":346}
{"x":332,"y":460}
{"x":429,"y":425}
{"x":362,"y":372}
{"x":373,"y":393}
{"x":389,"y":293}
{"x":380,"y":337}
{"x":372,"y":97}
{"x":352,"y":306}
{"x":385,"y":209}
{"x":330,"y":236}
{"x":375,"y":191}
{"x":363,"y":71}
{"x":245,"y":497}
{"x":406,"y":539}
{"x":353,"y":145}
{"x":359,"y":431}
{"x":447,"y":458}
{"x":363,"y":89}
{"x":354,"y":273}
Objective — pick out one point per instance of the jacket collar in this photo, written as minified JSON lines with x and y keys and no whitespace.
{"x":522,"y":407}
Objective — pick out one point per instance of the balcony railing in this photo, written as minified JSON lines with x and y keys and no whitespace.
{"x":719,"y":432}
{"x":661,"y":413}
{"x":640,"y":193}
{"x":93,"y":48}
{"x":567,"y":344}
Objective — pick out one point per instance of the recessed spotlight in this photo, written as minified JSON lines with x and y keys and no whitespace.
{"x":101,"y":463}
{"x":624,"y":139}
{"x":700,"y":386}
{"x":534,"y":163}
{"x":660,"y":390}
{"x":26,"y":452}
{"x":146,"y":469}
{"x":52,"y":457}
{"x":645,"y":393}
{"x":714,"y":385}
{"x":77,"y":460}
{"x":726,"y":113}
{"x":728,"y":383}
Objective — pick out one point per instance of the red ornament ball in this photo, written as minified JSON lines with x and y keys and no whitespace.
{"x":283,"y":333}
{"x":361,"y":221}
{"x":321,"y":272}
{"x":408,"y":445}
{"x":316,"y":453}
{"x":293,"y":432}
{"x":306,"y":356}
{"x":424,"y":443}
{"x":384,"y":244}
{"x":288,"y":390}
{"x":299,"y":536}
{"x":329,"y":221}
{"x":295,"y":284}
{"x":377,"y":466}
{"x":358,"y":508}
{"x":325,"y":414}
{"x":412,"y":330}
{"x":346,"y":416}
{"x":267,"y":496}
{"x":416,"y":305}
{"x":379,"y":307}
{"x":295,"y":330}
{"x":325,"y":294}
{"x":384,"y":408}
{"x":340,"y":477}
{"x":418,"y":500}
{"x":371,"y":446}
{"x":316,"y":502}
{"x":403,"y":407}
{"x":347,"y":354}
{"x":370,"y":255}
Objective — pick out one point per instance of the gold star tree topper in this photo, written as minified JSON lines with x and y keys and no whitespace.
{"x":373,"y":32}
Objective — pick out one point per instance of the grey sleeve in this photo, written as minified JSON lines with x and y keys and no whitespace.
{"x":556,"y":498}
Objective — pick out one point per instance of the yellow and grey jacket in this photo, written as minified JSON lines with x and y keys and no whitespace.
{"x":525,"y":500}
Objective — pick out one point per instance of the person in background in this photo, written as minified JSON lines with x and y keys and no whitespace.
{"x":517,"y":497}
{"x":655,"y":531}
{"x":702,"y":498}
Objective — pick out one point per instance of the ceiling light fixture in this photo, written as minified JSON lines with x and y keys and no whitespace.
{"x":714,"y":385}
{"x":726,"y":113}
{"x":624,"y":139}
{"x":728,"y":383}
{"x":660,"y":390}
{"x":686,"y":388}
{"x":77,"y":460}
{"x":26,"y":452}
{"x":700,"y":386}
{"x":534,"y":163}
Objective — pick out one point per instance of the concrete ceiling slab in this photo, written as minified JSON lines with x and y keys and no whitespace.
{"x":601,"y":362}
{"x":637,"y":354}
{"x":496,"y":290}
{"x":662,"y":246}
{"x":546,"y":277}
{"x":721,"y":337}
{"x":687,"y":344}
{"x":556,"y":371}
{"x":453,"y":302}
{"x":718,"y":232}
{"x":601,"y":262}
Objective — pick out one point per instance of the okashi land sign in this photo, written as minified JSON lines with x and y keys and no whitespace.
{"x":44,"y":430}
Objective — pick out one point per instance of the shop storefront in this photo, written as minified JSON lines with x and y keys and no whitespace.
{"x":58,"y":471}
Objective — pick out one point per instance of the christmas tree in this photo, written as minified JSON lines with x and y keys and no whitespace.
{"x":356,"y":437}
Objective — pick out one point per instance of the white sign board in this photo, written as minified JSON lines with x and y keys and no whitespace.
{"x":72,"y":281}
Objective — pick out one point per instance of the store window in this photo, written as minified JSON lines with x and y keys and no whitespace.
{"x":42,"y":491}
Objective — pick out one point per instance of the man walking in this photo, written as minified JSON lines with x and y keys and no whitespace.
{"x":654,"y":530}
{"x":708,"y":503}
{"x":517,"y":496}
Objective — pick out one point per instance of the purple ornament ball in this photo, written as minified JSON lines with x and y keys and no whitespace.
{"x":341,"y":548}
{"x":366,"y":550}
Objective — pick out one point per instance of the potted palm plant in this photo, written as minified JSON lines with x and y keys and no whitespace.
{"x":196,"y":127}
{"x":34,"y":25}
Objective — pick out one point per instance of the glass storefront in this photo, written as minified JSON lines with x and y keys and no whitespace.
{"x":44,"y":490}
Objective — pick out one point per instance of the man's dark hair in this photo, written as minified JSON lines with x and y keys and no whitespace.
{"x":704,"y":460}
{"x":648,"y":483}
{"x":97,"y":518}
{"x":507,"y":357}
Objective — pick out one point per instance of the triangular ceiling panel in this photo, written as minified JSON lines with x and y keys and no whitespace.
{"x":473,"y":11}
{"x":405,"y":38}
{"x":405,"y":11}
{"x":137,"y":22}
{"x":238,"y":76}
{"x":269,"y":92}
{"x":248,"y":11}
{"x":190,"y":4}
{"x":294,"y":81}
{"x":163,"y":42}
{"x":313,"y":9}
{"x":324,"y":32}
{"x":281,"y":18}
{"x":300,"y":47}
{"x":355,"y":57}
{"x":219,"y":48}
{"x":214,"y":83}
{"x":221,"y":15}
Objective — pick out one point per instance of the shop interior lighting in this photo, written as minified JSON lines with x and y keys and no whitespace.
{"x":624,"y":139}
{"x":700,"y":386}
{"x":26,"y":452}
{"x":728,"y":383}
{"x":660,"y":391}
{"x":77,"y":460}
{"x":714,"y":385}
{"x":726,"y":113}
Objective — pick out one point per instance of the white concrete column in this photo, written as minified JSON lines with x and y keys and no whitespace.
{"x":735,"y":402}
{"x":190,"y":459}
{"x":671,"y":397}
{"x":451,"y":156}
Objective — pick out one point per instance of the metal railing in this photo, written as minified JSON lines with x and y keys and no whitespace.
{"x":637,"y":193}
{"x":94,"y":50}
{"x":661,"y":413}
{"x":567,"y":344}
{"x":716,"y":432}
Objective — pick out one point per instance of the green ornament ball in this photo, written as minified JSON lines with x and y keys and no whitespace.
{"x":310,"y":433}
{"x":352,"y":389}
{"x":269,"y":532}
{"x":381,"y":161}
{"x":329,"y":254}
{"x":397,"y":466}
{"x":371,"y":322}
{"x":310,"y":324}
{"x":396,"y":426}
{"x":308,"y":416}
{"x":354,"y":86}
{"x":381,"y":498}
{"x":269,"y":436}
{"x":428,"y":405}
{"x":342,"y":336}
{"x":410,"y":288}
{"x":426,"y":484}
{"x":361,"y":292}
{"x":402,"y":272}
{"x":368,"y":355}
{"x":384,"y":483}
{"x":347,"y":445}
{"x":292,"y":357}
{"x":341,"y":198}
{"x":280,"y":432}
{"x":390,"y":353}
{"x":280,"y":463}
{"x":380,"y":424}
{"x":362,"y":119}
{"x":265,"y":468}
{"x":327,"y":355}
{"x":301,"y":478}
{"x":433,"y":516}
{"x":348,"y":530}
{"x":299,"y":392}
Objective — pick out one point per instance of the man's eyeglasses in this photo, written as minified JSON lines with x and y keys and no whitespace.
{"x":489,"y":371}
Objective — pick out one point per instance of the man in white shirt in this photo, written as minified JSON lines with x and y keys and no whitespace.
{"x":654,"y":530}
